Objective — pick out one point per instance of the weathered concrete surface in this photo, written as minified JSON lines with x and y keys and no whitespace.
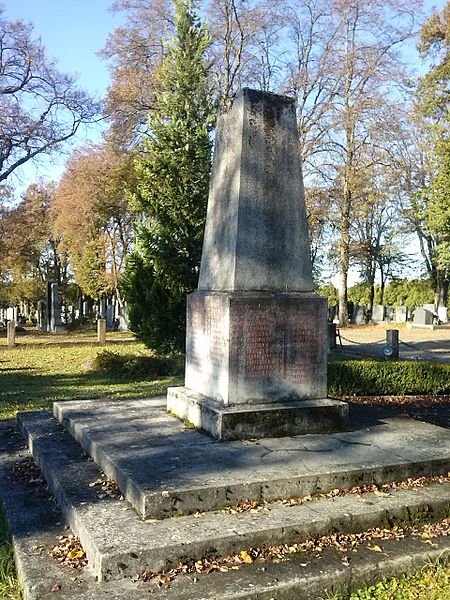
{"x":256,"y":235}
{"x":35,"y":526}
{"x":119,"y":544}
{"x":164,"y":469}
{"x":275,"y":419}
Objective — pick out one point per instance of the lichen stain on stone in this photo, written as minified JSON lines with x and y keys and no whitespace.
{"x":271,"y":116}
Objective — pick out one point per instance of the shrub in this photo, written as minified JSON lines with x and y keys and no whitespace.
{"x":372,"y":378}
{"x":151,"y":366}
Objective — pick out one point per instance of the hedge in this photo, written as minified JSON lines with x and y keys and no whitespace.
{"x":345,"y":377}
{"x":376,"y":378}
{"x":137,"y":364}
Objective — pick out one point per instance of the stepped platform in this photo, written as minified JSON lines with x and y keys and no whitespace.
{"x":120,"y":542}
{"x":165,"y":468}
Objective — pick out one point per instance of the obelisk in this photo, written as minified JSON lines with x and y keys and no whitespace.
{"x":256,"y":347}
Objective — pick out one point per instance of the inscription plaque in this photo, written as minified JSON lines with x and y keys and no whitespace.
{"x":252,"y":350}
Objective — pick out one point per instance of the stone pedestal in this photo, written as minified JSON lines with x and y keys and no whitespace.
{"x":256,"y":342}
{"x":256,"y":366}
{"x":101,"y":331}
{"x":245,"y":348}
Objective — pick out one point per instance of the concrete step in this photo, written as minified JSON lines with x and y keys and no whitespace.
{"x":164,"y":468}
{"x":35,"y":527}
{"x":119,"y":544}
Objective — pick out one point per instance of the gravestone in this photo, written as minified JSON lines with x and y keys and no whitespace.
{"x":332,"y":334}
{"x":256,"y":347}
{"x":442,"y":314}
{"x":389,"y":314}
{"x":102,"y":308}
{"x":48,"y":306}
{"x":110,"y":317}
{"x":80,"y":307}
{"x":358,"y":315}
{"x":56,"y":325}
{"x":122,"y":316}
{"x":101,"y":331}
{"x":401,"y":314}
{"x":11,"y":334}
{"x":430,"y":307}
{"x":40,"y":316}
{"x":378,"y":312}
{"x":422,"y":316}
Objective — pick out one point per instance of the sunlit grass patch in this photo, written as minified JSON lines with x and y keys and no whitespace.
{"x":430,"y":583}
{"x":10,"y":588}
{"x":33,"y":378}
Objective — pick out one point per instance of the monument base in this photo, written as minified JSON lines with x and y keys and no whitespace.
{"x":251,"y":421}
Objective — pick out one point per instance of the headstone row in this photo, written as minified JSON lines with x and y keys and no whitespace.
{"x":426,"y":314}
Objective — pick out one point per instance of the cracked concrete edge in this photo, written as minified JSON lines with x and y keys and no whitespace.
{"x":295,"y":578}
{"x":151,"y":504}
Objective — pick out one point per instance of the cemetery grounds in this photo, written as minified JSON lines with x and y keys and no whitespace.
{"x":45,"y":368}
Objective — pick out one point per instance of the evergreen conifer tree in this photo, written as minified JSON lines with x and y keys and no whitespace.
{"x":171,"y":196}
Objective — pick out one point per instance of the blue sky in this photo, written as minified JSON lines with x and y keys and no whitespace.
{"x":73,"y":31}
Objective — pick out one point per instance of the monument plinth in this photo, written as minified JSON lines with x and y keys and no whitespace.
{"x":256,"y":350}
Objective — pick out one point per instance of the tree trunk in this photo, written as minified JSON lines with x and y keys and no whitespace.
{"x":343,"y":308}
{"x":441,"y":286}
{"x":371,"y":295}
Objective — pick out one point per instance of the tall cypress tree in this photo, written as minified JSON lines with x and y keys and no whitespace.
{"x":173,"y":172}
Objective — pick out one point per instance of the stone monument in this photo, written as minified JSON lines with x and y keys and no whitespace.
{"x":401,"y":314}
{"x":423,"y":316}
{"x":256,"y":352}
{"x":442,"y":314}
{"x":358,"y":314}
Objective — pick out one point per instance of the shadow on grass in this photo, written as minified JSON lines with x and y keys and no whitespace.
{"x":24,"y":389}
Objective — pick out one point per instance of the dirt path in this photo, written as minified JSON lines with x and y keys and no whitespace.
{"x":416,"y":344}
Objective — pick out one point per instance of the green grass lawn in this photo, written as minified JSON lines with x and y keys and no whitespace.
{"x":32,"y":336}
{"x":33,"y":378}
{"x":431,"y":583}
